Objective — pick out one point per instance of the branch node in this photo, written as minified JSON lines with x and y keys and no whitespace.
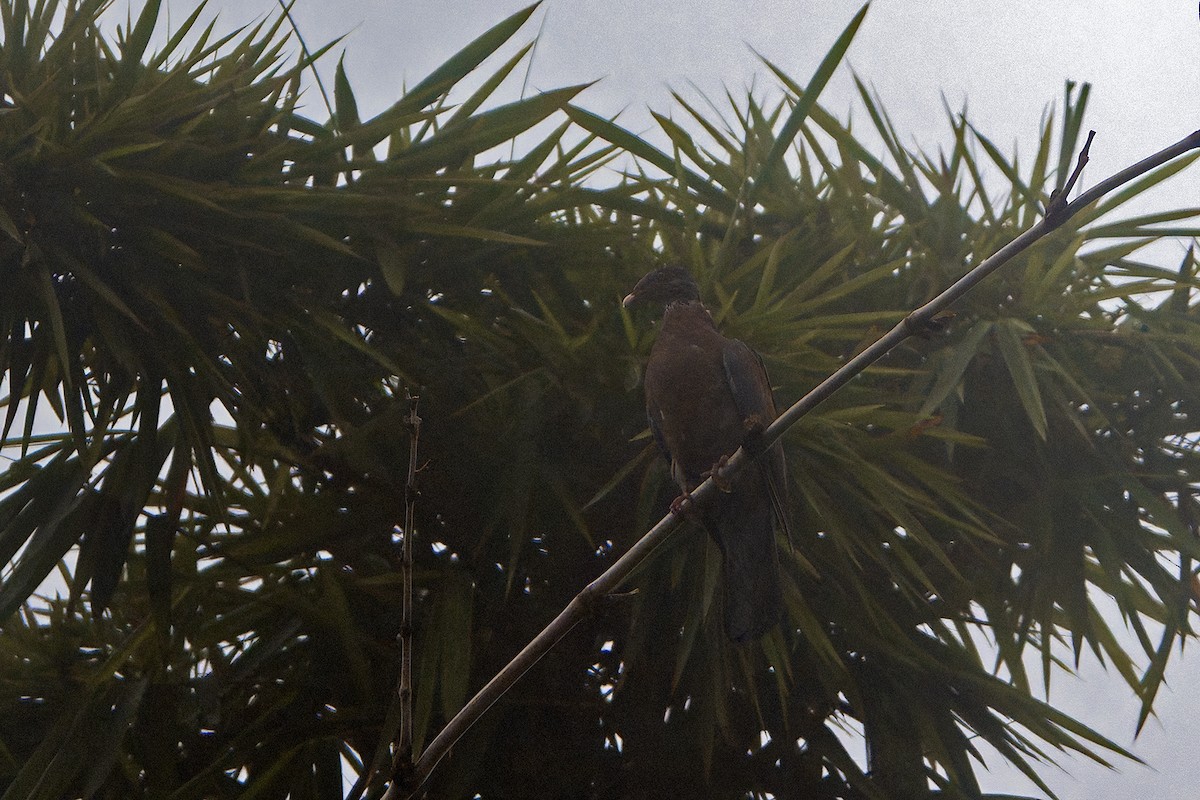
{"x":1057,"y":207}
{"x":924,"y":326}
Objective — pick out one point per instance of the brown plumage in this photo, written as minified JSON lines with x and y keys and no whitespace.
{"x":704,"y":393}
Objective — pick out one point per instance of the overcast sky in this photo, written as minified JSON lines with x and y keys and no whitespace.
{"x":1010,"y":59}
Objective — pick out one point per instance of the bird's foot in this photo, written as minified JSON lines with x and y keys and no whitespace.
{"x":724,"y":484}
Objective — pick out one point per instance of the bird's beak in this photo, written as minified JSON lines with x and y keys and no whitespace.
{"x":629,"y":300}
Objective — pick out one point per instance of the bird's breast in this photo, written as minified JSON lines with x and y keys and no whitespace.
{"x":688,"y":395}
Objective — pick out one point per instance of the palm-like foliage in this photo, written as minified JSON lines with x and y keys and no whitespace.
{"x":219,"y":298}
{"x":966,"y":489}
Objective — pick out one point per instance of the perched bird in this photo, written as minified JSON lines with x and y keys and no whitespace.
{"x":704,"y":395}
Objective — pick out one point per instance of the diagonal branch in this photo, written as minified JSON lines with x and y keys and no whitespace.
{"x":919,"y":321}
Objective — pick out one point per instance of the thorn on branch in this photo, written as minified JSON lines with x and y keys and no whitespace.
{"x":716,"y":473}
{"x":1057,"y":206}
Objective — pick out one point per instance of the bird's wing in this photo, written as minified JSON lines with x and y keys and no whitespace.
{"x":659,"y":439}
{"x":656,"y":431}
{"x":748,"y":382}
{"x":751,"y":389}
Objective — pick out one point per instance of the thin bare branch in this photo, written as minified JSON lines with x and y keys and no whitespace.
{"x":919,"y":321}
{"x":403,"y":759}
{"x":286,"y":9}
{"x":400,"y":770}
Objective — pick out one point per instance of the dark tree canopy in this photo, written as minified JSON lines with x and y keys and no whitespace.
{"x":213,"y":306}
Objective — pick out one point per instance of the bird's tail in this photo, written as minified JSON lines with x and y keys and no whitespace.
{"x":744,"y":530}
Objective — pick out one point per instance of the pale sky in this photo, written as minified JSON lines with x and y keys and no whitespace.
{"x":1010,"y":59}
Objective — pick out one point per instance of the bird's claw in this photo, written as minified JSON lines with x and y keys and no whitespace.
{"x":723,"y":484}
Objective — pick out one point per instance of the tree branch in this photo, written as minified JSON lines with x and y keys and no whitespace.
{"x":919,"y":321}
{"x":402,"y":760}
{"x":397,"y":732}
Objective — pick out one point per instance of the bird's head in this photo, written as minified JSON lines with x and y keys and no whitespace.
{"x":663,"y":286}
